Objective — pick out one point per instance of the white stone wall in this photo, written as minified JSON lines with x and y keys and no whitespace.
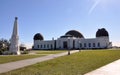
{"x":73,"y":43}
{"x":43,"y":44}
{"x":93,"y":43}
{"x":60,"y":41}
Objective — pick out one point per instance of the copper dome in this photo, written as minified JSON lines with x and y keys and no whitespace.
{"x":38,"y":36}
{"x":102,"y":32}
{"x":75,"y":33}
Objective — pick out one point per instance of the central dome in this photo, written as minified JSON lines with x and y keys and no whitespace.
{"x":75,"y":33}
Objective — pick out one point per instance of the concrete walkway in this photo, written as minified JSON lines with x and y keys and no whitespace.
{"x":19,"y":64}
{"x":110,"y":69}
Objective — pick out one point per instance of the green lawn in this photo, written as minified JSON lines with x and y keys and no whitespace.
{"x":11,"y":58}
{"x":74,"y":64}
{"x":48,"y":51}
{"x":38,"y":53}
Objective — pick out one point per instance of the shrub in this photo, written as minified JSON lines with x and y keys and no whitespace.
{"x":1,"y":52}
{"x":25,"y":52}
{"x":7,"y":53}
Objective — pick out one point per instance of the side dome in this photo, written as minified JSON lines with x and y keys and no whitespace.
{"x":38,"y":36}
{"x":75,"y":33}
{"x":102,"y":32}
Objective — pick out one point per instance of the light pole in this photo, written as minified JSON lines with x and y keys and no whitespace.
{"x":68,"y":51}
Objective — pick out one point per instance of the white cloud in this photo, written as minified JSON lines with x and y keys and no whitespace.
{"x":116,"y":44}
{"x":102,"y":3}
{"x":96,"y":2}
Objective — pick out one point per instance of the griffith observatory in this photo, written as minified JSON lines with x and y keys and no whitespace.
{"x":73,"y":39}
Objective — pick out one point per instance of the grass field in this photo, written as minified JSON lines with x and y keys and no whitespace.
{"x":12,"y":58}
{"x":37,"y":53}
{"x":74,"y":64}
{"x":48,"y":51}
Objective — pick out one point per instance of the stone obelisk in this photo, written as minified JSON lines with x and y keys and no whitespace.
{"x":14,"y":41}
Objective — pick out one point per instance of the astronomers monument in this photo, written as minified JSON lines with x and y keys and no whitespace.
{"x":14,"y":41}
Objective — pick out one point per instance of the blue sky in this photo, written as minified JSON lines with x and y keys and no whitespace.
{"x":53,"y":18}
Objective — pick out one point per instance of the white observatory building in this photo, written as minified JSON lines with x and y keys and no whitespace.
{"x":74,"y":40}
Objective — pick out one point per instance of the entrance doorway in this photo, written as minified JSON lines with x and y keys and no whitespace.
{"x":65,"y":45}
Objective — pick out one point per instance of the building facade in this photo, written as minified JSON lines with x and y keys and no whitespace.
{"x":74,"y":40}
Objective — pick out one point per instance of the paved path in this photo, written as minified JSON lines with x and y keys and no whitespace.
{"x":110,"y":69}
{"x":19,"y":64}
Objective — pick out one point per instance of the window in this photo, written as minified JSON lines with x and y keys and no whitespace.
{"x":80,"y":45}
{"x":44,"y":46}
{"x":93,"y":44}
{"x":38,"y":46}
{"x":98,"y":44}
{"x":47,"y":45}
{"x":41,"y":46}
{"x":89,"y":44}
{"x":84,"y":44}
{"x":51,"y":46}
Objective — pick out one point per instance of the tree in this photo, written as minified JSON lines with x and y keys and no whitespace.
{"x":4,"y":45}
